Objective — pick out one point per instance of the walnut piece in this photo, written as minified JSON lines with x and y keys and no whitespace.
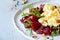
{"x":24,"y":1}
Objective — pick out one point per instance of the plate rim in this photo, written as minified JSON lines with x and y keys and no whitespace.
{"x":14,"y":23}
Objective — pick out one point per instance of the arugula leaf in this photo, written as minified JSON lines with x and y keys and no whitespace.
{"x":38,"y":14}
{"x":28,"y":23}
{"x":29,"y":6}
{"x":24,"y":14}
{"x":54,"y":33}
{"x":30,"y":32}
{"x":41,"y":16}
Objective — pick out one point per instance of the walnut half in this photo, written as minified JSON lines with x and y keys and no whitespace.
{"x":24,"y":1}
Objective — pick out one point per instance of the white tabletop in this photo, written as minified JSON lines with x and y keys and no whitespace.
{"x":7,"y":29}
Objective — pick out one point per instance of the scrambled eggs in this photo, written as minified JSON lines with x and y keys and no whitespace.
{"x":51,"y":15}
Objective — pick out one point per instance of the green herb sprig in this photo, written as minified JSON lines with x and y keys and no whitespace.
{"x":28,"y":23}
{"x":31,"y":33}
{"x":29,"y":6}
{"x":25,"y":14}
{"x":54,"y":33}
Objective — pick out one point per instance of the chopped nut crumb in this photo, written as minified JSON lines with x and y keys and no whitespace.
{"x":24,"y":1}
{"x":34,"y":36}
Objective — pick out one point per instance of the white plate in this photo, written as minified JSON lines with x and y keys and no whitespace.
{"x":20,"y":27}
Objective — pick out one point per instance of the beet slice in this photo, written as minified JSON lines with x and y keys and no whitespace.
{"x":36,"y":25}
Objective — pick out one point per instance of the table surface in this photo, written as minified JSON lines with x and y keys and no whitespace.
{"x":7,"y":29}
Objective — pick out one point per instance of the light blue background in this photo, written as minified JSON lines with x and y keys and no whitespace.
{"x":7,"y":29}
